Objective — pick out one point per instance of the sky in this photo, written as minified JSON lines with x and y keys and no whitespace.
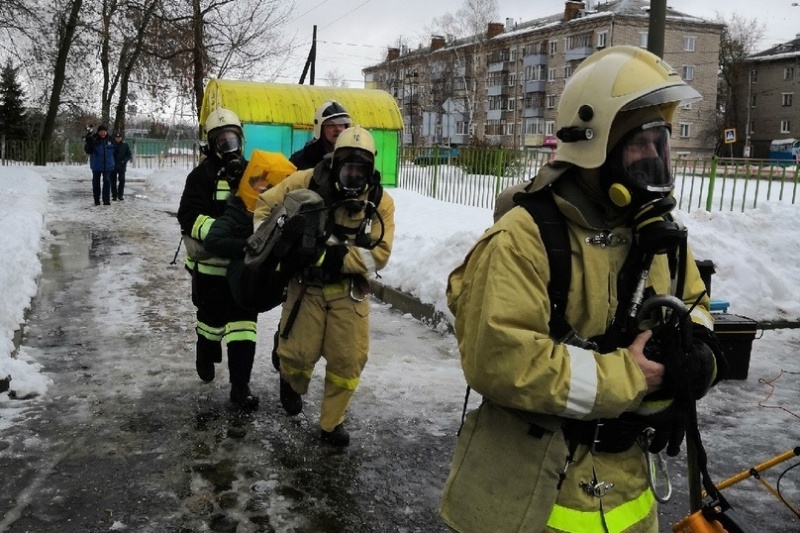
{"x":354,"y":34}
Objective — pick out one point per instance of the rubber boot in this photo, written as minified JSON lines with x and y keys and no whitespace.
{"x":276,"y":361}
{"x":207,"y":353}
{"x":291,"y":401}
{"x":241,"y":396}
{"x":240,"y":365}
{"x":338,"y":438}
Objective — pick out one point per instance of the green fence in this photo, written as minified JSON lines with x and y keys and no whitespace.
{"x":147,"y":153}
{"x":475,"y":177}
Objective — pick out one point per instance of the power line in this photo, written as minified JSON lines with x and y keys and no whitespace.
{"x":343,"y":16}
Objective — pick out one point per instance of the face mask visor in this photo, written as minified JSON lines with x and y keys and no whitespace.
{"x":645,"y":158}
{"x":227,"y":141}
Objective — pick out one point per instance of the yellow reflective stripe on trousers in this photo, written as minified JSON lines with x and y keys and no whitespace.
{"x":617,"y":520}
{"x":209,"y":332}
{"x":243,"y":330}
{"x":292,"y":371}
{"x":342,"y":383}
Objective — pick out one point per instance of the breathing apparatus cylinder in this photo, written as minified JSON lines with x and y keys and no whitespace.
{"x":697,"y":523}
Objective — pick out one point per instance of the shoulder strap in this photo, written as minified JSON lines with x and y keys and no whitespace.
{"x":553,"y":228}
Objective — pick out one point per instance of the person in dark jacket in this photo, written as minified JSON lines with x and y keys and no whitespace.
{"x":101,"y":160}
{"x":122,"y":154}
{"x":219,"y":317}
{"x":330,"y":119}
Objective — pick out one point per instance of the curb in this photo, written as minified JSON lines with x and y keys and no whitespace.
{"x":407,"y":303}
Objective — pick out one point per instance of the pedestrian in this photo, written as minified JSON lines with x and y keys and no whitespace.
{"x":101,"y":160}
{"x":330,"y":119}
{"x":326,"y":312}
{"x":122,"y":154}
{"x":576,"y":391}
{"x":219,"y":317}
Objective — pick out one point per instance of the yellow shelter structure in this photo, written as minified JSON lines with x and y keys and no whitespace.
{"x":278,"y":117}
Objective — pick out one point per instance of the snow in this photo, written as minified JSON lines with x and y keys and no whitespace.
{"x":754,"y":252}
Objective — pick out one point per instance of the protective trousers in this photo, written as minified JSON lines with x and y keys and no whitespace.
{"x":220,"y":317}
{"x":336,"y":329}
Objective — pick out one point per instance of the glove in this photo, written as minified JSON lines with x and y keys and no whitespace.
{"x":669,"y":426}
{"x":334,"y":259}
{"x":689,"y":364}
{"x":291,"y":232}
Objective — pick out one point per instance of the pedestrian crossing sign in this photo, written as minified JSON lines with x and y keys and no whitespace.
{"x":730,"y":136}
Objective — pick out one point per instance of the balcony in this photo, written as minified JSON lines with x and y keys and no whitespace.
{"x":497,"y":90}
{"x":499,"y":66}
{"x":494,"y":114}
{"x":534,"y":59}
{"x":577,"y":54}
{"x":533,"y":112}
{"x":535,"y":86}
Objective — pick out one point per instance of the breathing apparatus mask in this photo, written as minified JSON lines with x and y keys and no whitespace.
{"x":226,"y":144}
{"x":352,"y":170}
{"x":638,"y":178}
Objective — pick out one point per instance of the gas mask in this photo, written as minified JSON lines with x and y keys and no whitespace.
{"x":352,"y":170}
{"x":637,"y":170}
{"x":227,"y":146}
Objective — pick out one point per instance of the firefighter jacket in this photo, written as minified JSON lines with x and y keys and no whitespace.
{"x":342,"y":225}
{"x":203,"y":200}
{"x":510,"y":452}
{"x":309,"y":155}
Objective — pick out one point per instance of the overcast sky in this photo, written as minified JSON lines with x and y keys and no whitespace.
{"x":354,"y":34}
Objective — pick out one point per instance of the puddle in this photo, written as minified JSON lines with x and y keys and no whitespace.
{"x":70,"y":253}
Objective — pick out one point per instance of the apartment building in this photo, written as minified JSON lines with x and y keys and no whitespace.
{"x":769,"y":111}
{"x":502,"y":87}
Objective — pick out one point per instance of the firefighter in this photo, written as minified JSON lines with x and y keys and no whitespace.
{"x":330,"y":120}
{"x":326,"y":312}
{"x":219,"y":317}
{"x":561,"y":439}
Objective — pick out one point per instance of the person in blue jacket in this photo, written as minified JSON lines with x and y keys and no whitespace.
{"x":122,"y":154}
{"x":101,"y":160}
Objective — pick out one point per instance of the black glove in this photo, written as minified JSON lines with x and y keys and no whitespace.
{"x":291,"y":232}
{"x":669,"y":426}
{"x":334,"y":259}
{"x":689,"y":364}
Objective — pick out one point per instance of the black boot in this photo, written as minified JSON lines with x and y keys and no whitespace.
{"x":339,"y":437}
{"x":276,"y":362}
{"x":241,"y":396}
{"x":291,"y":401}
{"x":207,"y":353}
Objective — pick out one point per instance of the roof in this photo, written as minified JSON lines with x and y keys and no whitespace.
{"x":283,"y":103}
{"x":787,"y":50}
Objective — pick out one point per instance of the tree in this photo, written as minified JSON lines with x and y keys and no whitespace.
{"x":739,"y":40}
{"x":67,"y":22}
{"x":201,"y":39}
{"x":12,"y":109}
{"x":469,"y":22}
{"x":334,"y":78}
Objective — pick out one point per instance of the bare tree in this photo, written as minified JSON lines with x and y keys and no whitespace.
{"x":67,"y":22}
{"x":469,"y":22}
{"x":201,"y":39}
{"x":334,"y":78}
{"x":739,"y":40}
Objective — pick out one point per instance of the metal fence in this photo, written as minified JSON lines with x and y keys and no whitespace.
{"x":147,"y":153}
{"x":475,"y":178}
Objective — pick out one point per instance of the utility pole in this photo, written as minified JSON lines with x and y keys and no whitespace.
{"x":312,"y":59}
{"x":658,"y":23}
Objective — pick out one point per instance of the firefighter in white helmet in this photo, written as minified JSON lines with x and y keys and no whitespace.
{"x":219,"y":317}
{"x":574,"y":398}
{"x":326,"y":313}
{"x":330,"y":120}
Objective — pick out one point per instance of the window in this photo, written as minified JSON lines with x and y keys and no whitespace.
{"x":553,"y":47}
{"x":688,"y":43}
{"x":549,"y":127}
{"x":643,"y":39}
{"x":534,"y":73}
{"x":686,"y":130}
{"x":753,"y":100}
{"x":786,"y":126}
{"x":510,"y":129}
{"x":786,"y":99}
{"x":688,"y":72}
{"x":601,"y":39}
{"x":461,"y":128}
{"x":788,"y":73}
{"x":551,"y":101}
{"x":512,"y":56}
{"x":511,"y":104}
{"x":567,"y":72}
{"x":512,"y":79}
{"x":534,"y":126}
{"x":551,"y":74}
{"x":753,"y":75}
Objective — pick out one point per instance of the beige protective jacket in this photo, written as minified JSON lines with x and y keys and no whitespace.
{"x":503,"y":478}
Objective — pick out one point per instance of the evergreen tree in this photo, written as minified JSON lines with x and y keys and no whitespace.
{"x":12,"y":110}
